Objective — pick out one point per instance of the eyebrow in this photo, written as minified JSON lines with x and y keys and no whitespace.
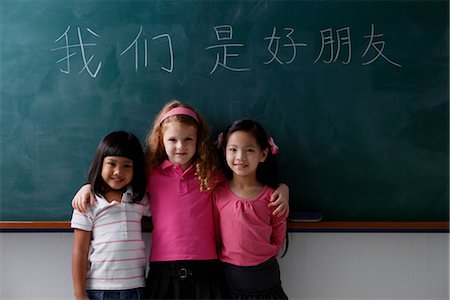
{"x":246,"y":146}
{"x":127,"y":160}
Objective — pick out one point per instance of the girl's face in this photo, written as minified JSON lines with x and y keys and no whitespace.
{"x":243,"y":154}
{"x":117,"y":171}
{"x":180,"y":143}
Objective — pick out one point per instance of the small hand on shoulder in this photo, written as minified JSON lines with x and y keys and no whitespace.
{"x":280,"y":200}
{"x":83,"y":199}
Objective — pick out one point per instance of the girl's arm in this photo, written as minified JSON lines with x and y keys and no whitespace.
{"x":217,"y":234}
{"x":279,"y":225}
{"x":83,"y":198}
{"x":81,"y":242}
{"x":280,"y":200}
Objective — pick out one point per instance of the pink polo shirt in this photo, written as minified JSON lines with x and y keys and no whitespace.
{"x":250,"y":233}
{"x":182,"y":215}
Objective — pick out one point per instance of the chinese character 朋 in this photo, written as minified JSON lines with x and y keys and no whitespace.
{"x":343,"y":39}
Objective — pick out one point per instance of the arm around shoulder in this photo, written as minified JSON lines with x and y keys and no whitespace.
{"x":83,"y":198}
{"x":280,"y":200}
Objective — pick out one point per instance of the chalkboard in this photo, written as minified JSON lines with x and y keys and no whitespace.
{"x":355,"y":93}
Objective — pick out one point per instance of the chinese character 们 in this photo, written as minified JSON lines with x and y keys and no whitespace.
{"x":134,"y":44}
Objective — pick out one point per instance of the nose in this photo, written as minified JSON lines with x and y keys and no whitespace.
{"x":179,"y":145}
{"x":117,"y":171}
{"x":240,"y":156}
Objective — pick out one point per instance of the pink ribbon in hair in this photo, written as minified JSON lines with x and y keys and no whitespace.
{"x":273,"y":147}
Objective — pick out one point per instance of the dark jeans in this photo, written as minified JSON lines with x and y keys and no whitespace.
{"x":133,"y":294}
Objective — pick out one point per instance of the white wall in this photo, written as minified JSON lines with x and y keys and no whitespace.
{"x":327,"y":266}
{"x":367,"y":266}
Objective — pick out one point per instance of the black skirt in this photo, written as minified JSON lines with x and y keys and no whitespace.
{"x":255,"y":282}
{"x":185,"y":280}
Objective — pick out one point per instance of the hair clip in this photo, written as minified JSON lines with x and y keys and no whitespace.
{"x":273,"y":147}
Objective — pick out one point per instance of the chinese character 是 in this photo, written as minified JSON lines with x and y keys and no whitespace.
{"x":225,"y":33}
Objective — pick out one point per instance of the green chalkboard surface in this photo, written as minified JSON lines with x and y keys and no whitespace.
{"x":355,"y":93}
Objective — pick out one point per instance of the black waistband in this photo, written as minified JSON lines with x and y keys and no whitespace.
{"x":184,"y":268}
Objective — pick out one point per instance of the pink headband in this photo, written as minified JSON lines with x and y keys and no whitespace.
{"x":179,"y":111}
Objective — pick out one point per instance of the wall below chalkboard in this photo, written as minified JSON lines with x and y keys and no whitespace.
{"x":355,"y":94}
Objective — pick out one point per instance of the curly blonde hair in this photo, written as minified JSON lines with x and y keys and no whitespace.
{"x":205,"y":158}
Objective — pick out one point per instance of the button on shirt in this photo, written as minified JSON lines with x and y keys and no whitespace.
{"x":117,"y":258}
{"x":182,"y":215}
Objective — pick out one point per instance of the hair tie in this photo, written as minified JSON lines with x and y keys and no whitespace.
{"x":273,"y":147}
{"x":180,"y":110}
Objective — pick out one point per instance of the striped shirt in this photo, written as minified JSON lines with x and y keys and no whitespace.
{"x":117,"y":258}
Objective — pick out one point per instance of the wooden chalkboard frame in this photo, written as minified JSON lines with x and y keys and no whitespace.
{"x":326,"y":226}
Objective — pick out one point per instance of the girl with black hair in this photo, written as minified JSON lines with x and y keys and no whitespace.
{"x":251,"y":236}
{"x":109,"y":259}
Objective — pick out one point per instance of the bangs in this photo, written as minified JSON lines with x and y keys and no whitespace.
{"x":182,"y":119}
{"x":120,"y":149}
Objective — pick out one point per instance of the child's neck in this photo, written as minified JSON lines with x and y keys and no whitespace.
{"x":245,"y":187}
{"x":113,"y":195}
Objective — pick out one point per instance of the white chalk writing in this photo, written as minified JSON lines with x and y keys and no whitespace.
{"x":283,"y":47}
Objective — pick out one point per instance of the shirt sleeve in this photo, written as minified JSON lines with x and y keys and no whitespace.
{"x":279,"y":225}
{"x":217,"y":233}
{"x":82,"y":221}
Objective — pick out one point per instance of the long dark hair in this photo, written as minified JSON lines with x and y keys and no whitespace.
{"x":266,"y":173}
{"x":119,"y":143}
